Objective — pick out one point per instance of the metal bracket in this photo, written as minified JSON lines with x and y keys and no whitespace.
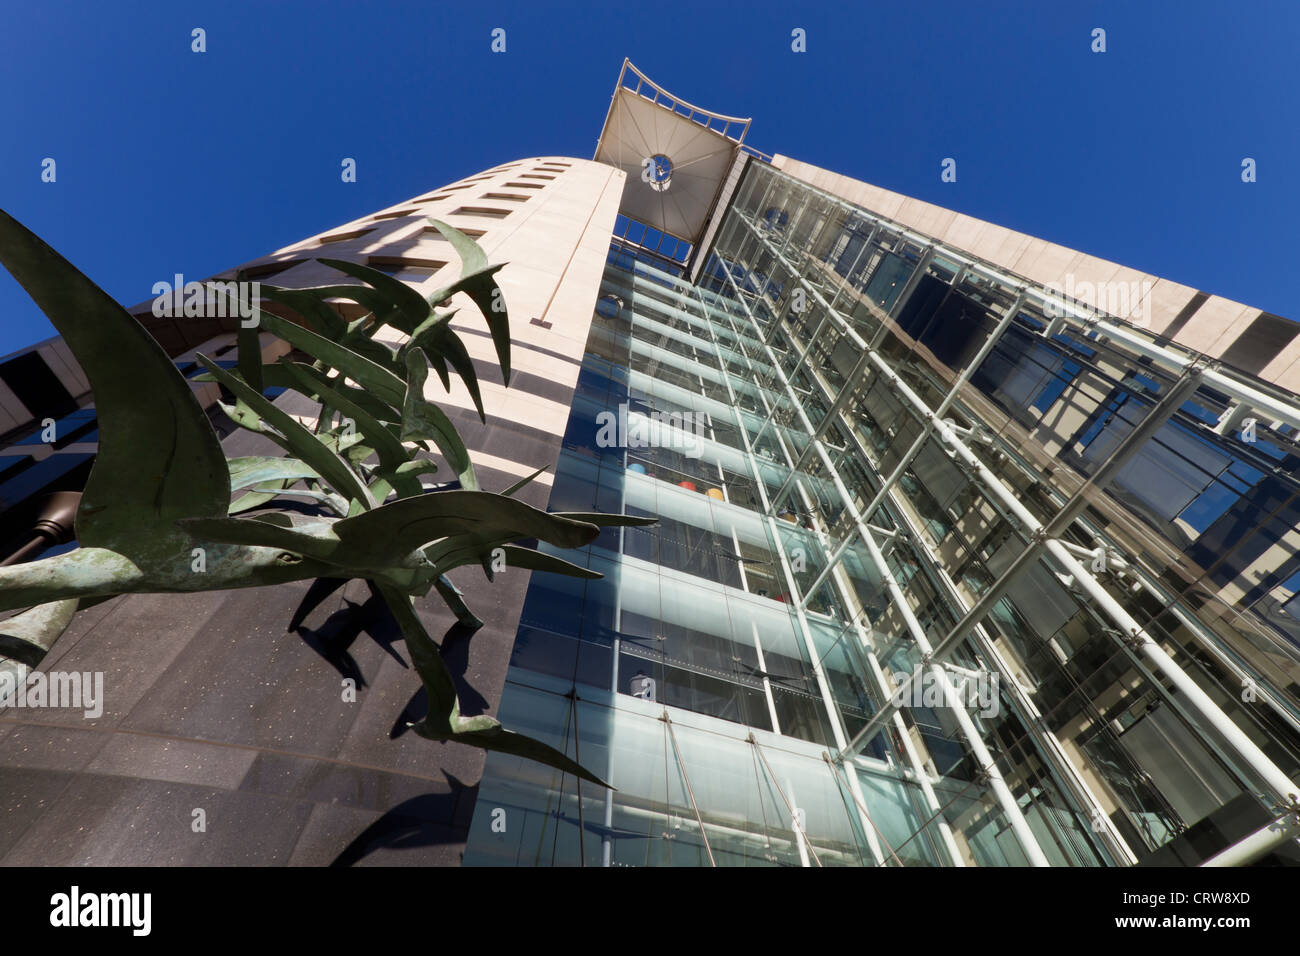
{"x":1135,"y":640}
{"x":1289,"y":809}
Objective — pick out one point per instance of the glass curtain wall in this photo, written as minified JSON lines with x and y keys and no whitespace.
{"x":1194,"y":535}
{"x":775,"y":674}
{"x":686,"y":676}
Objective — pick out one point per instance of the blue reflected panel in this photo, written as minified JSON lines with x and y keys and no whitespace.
{"x":892,"y":808}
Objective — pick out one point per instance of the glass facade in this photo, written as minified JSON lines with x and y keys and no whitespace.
{"x":942,"y":575}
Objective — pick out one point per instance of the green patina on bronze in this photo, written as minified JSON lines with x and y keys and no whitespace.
{"x":161,"y":486}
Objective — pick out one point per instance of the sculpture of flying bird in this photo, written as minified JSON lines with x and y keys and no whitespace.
{"x":156,"y":514}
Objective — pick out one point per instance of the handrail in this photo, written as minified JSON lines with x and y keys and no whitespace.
{"x":678,"y":101}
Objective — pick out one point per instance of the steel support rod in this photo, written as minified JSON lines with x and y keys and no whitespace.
{"x":832,"y":712}
{"x":846,"y":395}
{"x":909,"y":287}
{"x":1041,"y":534}
{"x":1278,"y":783}
{"x":1001,"y":791}
{"x":689,"y":791}
{"x":1074,"y":782}
{"x":1049,"y":746}
{"x":1270,"y":406}
{"x":971,"y":734}
{"x":914,"y":760}
{"x":790,"y":807}
{"x":989,"y":344}
{"x":949,"y":400}
{"x":1259,"y":844}
{"x":989,"y":766}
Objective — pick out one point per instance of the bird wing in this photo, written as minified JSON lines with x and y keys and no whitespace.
{"x":478,"y":281}
{"x":408,"y":523}
{"x":444,"y":721}
{"x":159,"y":459}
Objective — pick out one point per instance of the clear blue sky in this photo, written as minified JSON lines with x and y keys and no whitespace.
{"x":171,"y":161}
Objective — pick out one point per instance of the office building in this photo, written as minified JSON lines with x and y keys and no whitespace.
{"x":972,"y":550}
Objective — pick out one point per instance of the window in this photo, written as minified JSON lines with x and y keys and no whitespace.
{"x":1056,"y":385}
{"x":888,"y":280}
{"x":430,"y":232}
{"x":513,"y":197}
{"x":661,"y":172}
{"x":487,"y":212}
{"x":411,"y":268}
{"x":609,"y":306}
{"x":397,"y":214}
{"x":344,"y":236}
{"x":1292,"y":605}
{"x":267,"y":269}
{"x":1101,"y":418}
{"x":37,"y":386}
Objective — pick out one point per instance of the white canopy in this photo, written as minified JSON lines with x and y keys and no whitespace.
{"x":645,"y":122}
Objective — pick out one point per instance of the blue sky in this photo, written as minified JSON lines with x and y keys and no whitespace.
{"x":171,"y":161}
